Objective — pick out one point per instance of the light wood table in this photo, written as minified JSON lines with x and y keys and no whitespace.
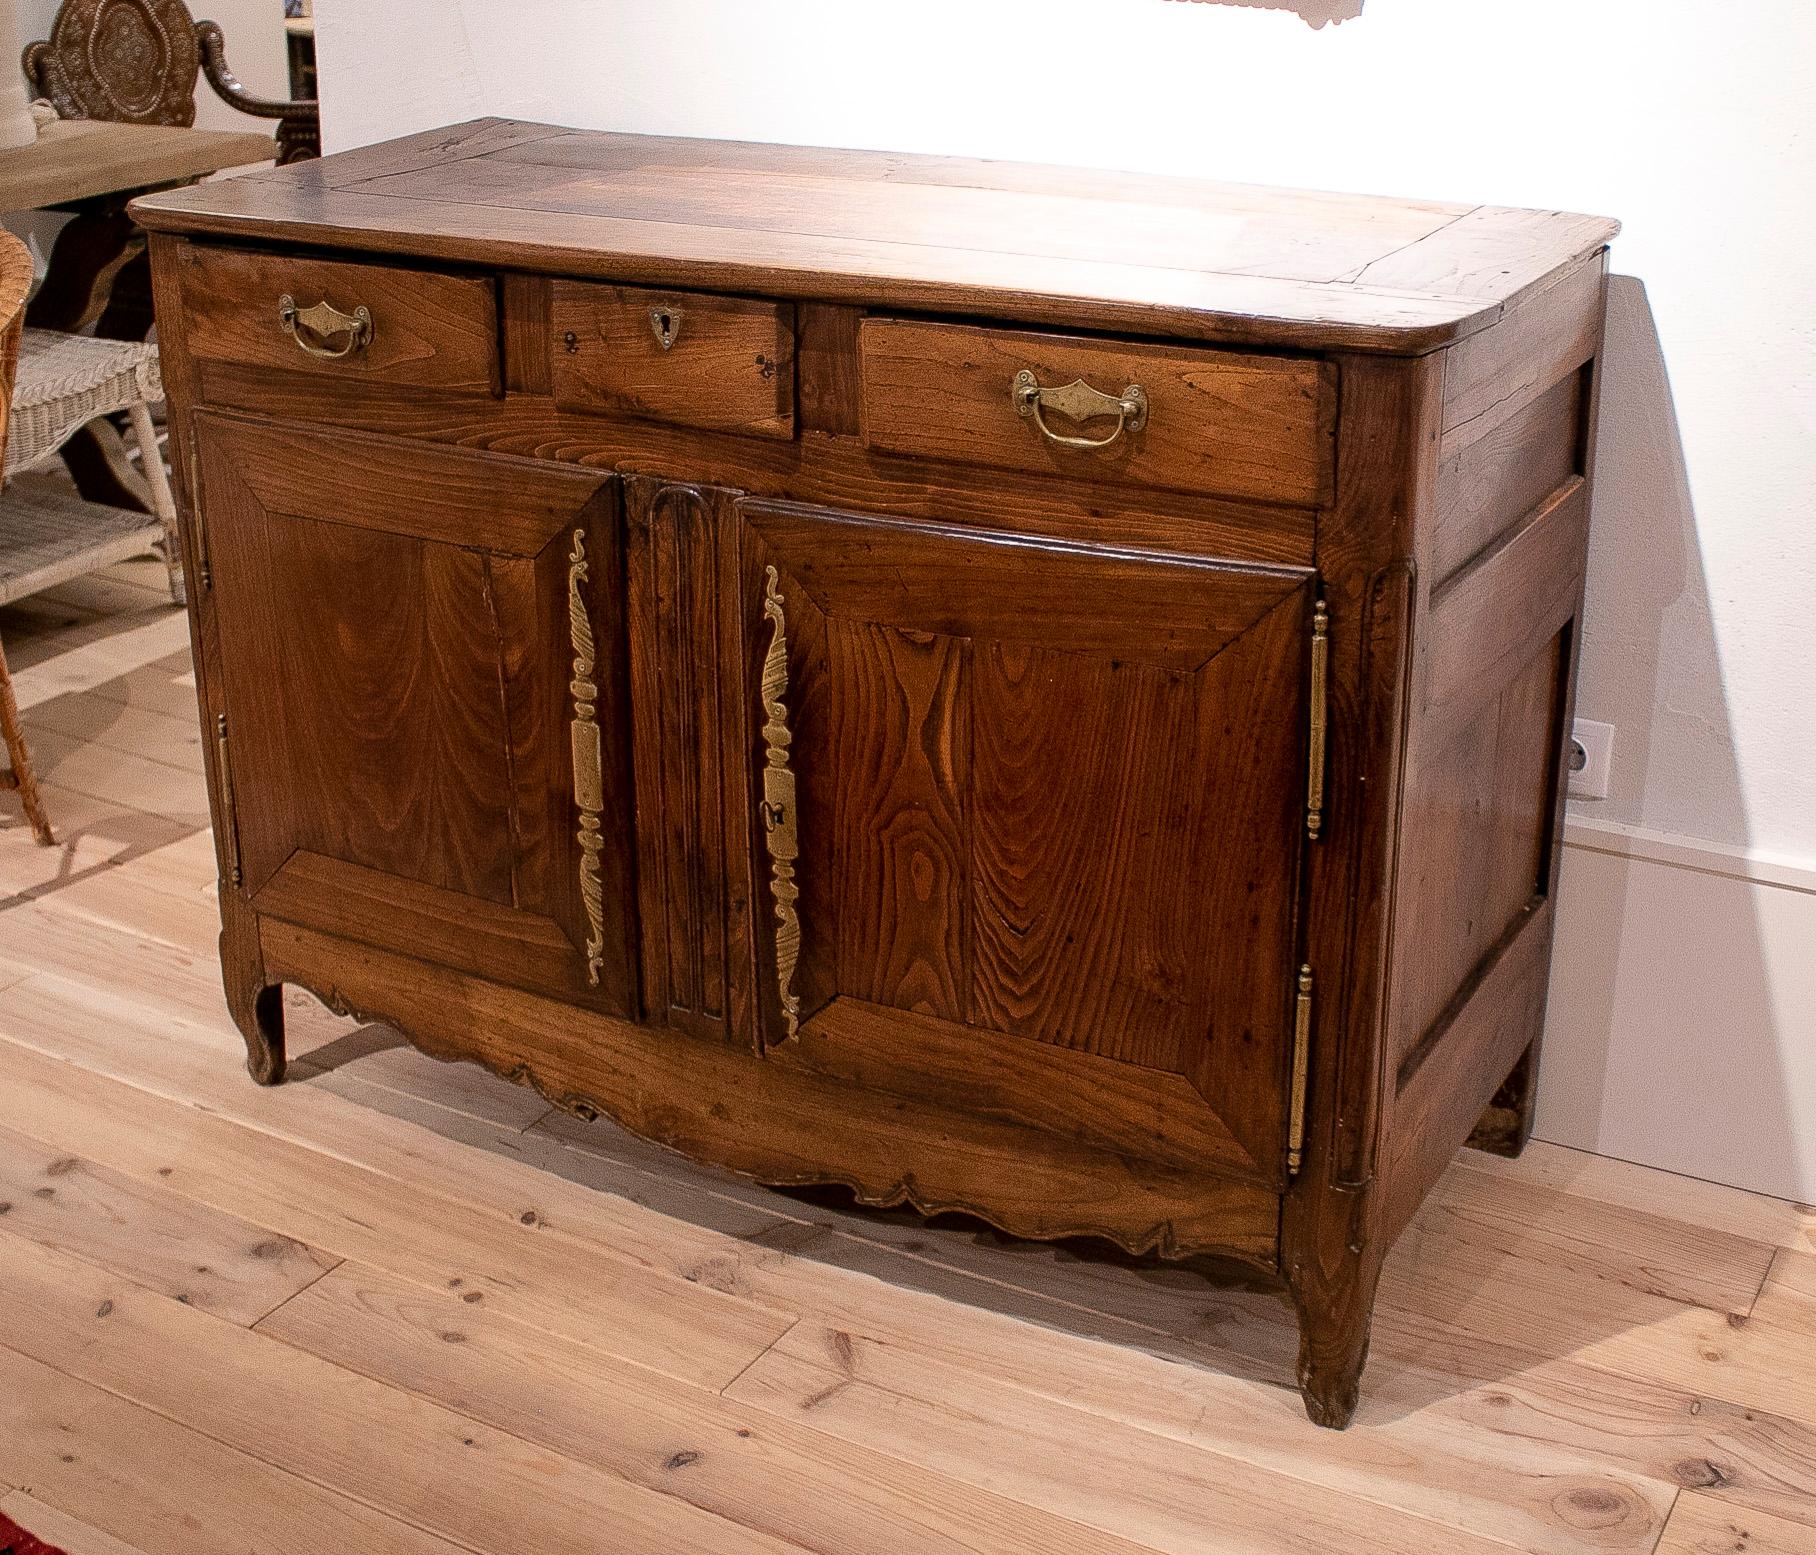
{"x":97,"y":273}
{"x":81,"y":159}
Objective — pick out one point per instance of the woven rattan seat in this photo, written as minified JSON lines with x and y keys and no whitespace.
{"x":64,"y":381}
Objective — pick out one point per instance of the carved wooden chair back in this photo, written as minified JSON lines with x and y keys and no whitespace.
{"x":135,"y":62}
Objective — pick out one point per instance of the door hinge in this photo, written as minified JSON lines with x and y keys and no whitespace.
{"x":1319,"y":722}
{"x":1302,"y":1055}
{"x":231,"y":829}
{"x":192,"y":520}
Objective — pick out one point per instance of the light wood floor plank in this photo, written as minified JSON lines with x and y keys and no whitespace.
{"x":1658,"y":1254}
{"x":127,"y":1471}
{"x":391,"y":1450}
{"x":216,"y":1263}
{"x":1467,"y":1404}
{"x":740,"y":1273}
{"x":168,"y":984}
{"x":1140,"y":1485}
{"x":59,"y":1529}
{"x":92,"y":835}
{"x":1702,"y":1525}
{"x":60,"y":666}
{"x":825,"y":1495}
{"x":744,"y":1272}
{"x":385,"y":1058}
{"x":170,"y":739}
{"x":39,"y":629}
{"x":121,"y":588}
{"x":147,"y":898}
{"x":1766,"y":1361}
{"x":452,"y":1116}
{"x":1601,"y":1179}
{"x":111,"y":774}
{"x":686,"y":1328}
{"x":162,"y":685}
{"x":113,"y":725}
{"x":1564,"y":1343}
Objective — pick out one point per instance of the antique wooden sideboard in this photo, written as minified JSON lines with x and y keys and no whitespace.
{"x":1018,"y":690}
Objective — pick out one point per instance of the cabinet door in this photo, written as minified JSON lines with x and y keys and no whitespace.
{"x":423,"y":672}
{"x":1027,"y":822}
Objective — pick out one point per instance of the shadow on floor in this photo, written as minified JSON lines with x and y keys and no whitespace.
{"x":1488,"y":1285}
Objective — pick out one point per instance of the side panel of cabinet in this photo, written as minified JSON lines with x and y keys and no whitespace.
{"x":1046,"y":800}
{"x":412,"y":701}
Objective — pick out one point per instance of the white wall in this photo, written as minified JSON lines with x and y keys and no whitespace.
{"x":1692,"y":122}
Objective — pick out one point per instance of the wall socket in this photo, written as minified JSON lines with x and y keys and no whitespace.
{"x":1591,"y":757}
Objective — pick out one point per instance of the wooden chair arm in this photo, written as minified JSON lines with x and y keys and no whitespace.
{"x":227,"y":85}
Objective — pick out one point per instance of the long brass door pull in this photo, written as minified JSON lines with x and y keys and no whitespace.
{"x":312,"y":327}
{"x":780,"y":836}
{"x":1078,"y":401}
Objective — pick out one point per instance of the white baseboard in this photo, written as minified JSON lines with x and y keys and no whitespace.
{"x":1714,"y":858}
{"x":1682,"y":1025}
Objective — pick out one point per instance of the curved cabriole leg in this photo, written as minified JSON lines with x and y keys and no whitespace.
{"x":1333,"y":1349}
{"x":261,"y":1023}
{"x":257,"y":1006}
{"x":1332,"y":1269}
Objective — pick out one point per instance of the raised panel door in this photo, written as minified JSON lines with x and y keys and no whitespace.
{"x":1051,"y":799}
{"x":424,"y":670}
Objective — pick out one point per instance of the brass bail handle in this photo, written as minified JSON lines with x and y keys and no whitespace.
{"x":1078,"y":401}
{"x":311,"y":328}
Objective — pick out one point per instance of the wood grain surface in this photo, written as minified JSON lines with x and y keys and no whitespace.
{"x":1154,"y":841}
{"x":1150,"y":255}
{"x":728,"y":366}
{"x":1572,"y":1354}
{"x":428,"y":331}
{"x":1229,"y":425}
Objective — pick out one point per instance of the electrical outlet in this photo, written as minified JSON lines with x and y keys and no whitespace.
{"x":1591,"y":758}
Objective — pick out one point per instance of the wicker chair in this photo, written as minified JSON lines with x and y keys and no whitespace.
{"x":15,"y":282}
{"x":56,"y":384}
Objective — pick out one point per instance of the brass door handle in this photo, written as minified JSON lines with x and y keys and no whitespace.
{"x":1078,"y":401}
{"x":310,"y":328}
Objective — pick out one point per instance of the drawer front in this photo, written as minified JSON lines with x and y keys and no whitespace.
{"x":722,"y":363}
{"x":425,"y":330}
{"x":1215,"y":422}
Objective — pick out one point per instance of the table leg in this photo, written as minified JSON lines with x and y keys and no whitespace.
{"x":98,"y":274}
{"x":90,"y":251}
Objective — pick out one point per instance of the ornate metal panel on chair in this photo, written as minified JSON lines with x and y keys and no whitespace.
{"x":135,"y":62}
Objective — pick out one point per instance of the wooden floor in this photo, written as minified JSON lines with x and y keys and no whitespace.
{"x":396,"y":1306}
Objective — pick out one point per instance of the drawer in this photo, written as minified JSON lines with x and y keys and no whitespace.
{"x":722,"y":363}
{"x":1216,"y":422}
{"x":425,"y":330}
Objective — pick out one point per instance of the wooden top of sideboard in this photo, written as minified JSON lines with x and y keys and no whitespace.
{"x":1133,"y":253}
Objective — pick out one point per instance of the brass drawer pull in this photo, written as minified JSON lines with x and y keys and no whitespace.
{"x":309,"y":327}
{"x":1078,"y":401}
